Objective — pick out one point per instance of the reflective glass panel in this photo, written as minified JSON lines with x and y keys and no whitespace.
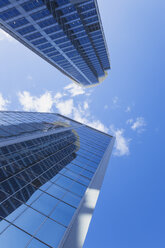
{"x":46,"y":165}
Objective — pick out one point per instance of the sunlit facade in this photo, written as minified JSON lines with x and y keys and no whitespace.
{"x":66,"y":33}
{"x":51,"y":171}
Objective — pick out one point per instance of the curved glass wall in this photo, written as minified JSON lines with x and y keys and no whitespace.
{"x":47,"y":162}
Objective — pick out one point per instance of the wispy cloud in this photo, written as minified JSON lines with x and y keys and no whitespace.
{"x":128,"y":109}
{"x":86,"y":105}
{"x":129,"y":121}
{"x":138,"y":124}
{"x":122,"y":143}
{"x":29,"y":77}
{"x":3,"y":103}
{"x":115,"y":100}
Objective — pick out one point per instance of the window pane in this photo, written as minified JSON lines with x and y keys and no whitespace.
{"x":56,"y":191}
{"x":36,"y":244}
{"x":13,"y":237}
{"x":45,"y":204}
{"x":30,"y":220}
{"x":63,"y":213}
{"x":3,"y":225}
{"x":51,"y":233}
{"x":72,"y":199}
{"x":11,"y":217}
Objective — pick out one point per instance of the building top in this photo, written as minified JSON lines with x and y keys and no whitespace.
{"x":68,"y":34}
{"x":18,"y":125}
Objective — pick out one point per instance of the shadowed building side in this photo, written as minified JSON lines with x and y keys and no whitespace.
{"x":33,"y":162}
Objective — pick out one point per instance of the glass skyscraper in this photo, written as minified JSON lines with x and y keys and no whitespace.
{"x":66,"y":33}
{"x":51,"y":171}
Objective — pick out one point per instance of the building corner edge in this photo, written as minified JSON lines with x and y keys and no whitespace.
{"x":77,"y":230}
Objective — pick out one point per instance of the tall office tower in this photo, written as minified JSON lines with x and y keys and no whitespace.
{"x":51,"y":171}
{"x":66,"y":33}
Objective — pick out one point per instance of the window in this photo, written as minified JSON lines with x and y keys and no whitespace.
{"x":4,"y":3}
{"x":26,"y":30}
{"x":51,"y":233}
{"x":8,"y":14}
{"x":47,"y":22}
{"x":18,"y":22}
{"x":33,"y":36}
{"x":63,"y":213}
{"x":45,"y":203}
{"x":32,"y":4}
{"x":30,"y":220}
{"x":39,"y":41}
{"x":10,"y":238}
{"x":40,"y":14}
{"x":44,"y":46}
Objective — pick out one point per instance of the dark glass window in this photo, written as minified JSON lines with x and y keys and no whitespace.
{"x":33,"y":36}
{"x":39,"y":41}
{"x":18,"y":22}
{"x":47,"y":22}
{"x":40,"y":14}
{"x":26,"y":30}
{"x":32,"y":4}
{"x":44,"y":46}
{"x":4,"y":3}
{"x":8,"y":14}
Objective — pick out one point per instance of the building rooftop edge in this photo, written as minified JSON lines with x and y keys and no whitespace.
{"x":85,"y":125}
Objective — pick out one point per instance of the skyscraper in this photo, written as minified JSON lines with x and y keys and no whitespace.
{"x":66,"y":33}
{"x":51,"y":171}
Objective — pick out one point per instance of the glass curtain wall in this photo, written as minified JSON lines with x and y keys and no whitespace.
{"x":47,"y":162}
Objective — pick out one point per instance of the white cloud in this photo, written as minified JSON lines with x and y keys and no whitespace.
{"x":106,"y":107}
{"x":115,"y":100}
{"x":89,"y":92}
{"x":65,"y":107}
{"x":86,"y":105}
{"x":58,"y":96}
{"x":139,"y":125}
{"x":29,"y":77}
{"x":80,"y":114}
{"x":115,"y":103}
{"x":128,"y":109}
{"x":5,"y":36}
{"x":78,"y":110}
{"x":32,"y":103}
{"x":122,"y":143}
{"x":129,"y":121}
{"x":98,"y":125}
{"x":74,"y":89}
{"x":3,"y":103}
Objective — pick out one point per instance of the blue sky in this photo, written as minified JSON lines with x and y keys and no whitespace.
{"x":128,"y":104}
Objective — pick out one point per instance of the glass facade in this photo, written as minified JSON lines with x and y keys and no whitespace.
{"x":66,"y":33}
{"x":47,"y":162}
